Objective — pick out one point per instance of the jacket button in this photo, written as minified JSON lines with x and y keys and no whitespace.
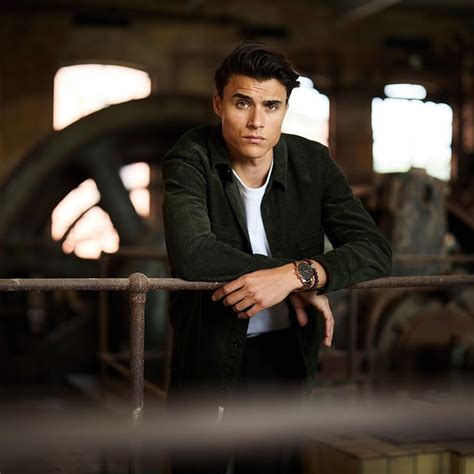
{"x":237,"y":343}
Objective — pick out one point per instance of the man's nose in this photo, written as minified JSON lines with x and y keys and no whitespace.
{"x":256,"y":118}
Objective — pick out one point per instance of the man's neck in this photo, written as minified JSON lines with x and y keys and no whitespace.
{"x":253,"y":172}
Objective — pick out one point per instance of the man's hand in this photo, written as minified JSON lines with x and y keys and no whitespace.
{"x":319,"y":302}
{"x":258,"y":290}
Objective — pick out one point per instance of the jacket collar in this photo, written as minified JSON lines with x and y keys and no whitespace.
{"x":220,"y":159}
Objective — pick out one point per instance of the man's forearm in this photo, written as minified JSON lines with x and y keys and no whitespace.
{"x":258,"y":290}
{"x":360,"y":250}
{"x":208,"y":259}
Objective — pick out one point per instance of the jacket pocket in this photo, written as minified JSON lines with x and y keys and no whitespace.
{"x":311,"y":244}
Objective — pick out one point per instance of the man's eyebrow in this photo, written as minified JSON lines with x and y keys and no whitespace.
{"x":238,"y":95}
{"x":273,"y":102}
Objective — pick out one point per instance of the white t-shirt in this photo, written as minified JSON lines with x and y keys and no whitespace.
{"x":276,"y":317}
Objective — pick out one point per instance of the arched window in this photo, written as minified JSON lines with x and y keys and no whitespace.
{"x":411,"y":132}
{"x":308,"y":113}
{"x":78,"y":221}
{"x":85,"y":88}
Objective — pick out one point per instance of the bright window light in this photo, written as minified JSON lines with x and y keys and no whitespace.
{"x":308,"y":113}
{"x":76,"y":203}
{"x":412,"y":133}
{"x":77,"y":220}
{"x":405,"y":91}
{"x":82,"y":89}
{"x":136,"y":175}
{"x":92,"y":234}
{"x":84,"y":227}
{"x":136,"y":178}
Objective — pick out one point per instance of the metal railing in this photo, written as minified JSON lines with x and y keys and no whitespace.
{"x":137,"y":285}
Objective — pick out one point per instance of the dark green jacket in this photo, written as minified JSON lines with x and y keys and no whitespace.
{"x":206,"y":234}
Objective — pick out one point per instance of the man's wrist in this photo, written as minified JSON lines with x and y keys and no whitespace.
{"x":310,"y":276}
{"x":294,"y":282}
{"x":306,"y":274}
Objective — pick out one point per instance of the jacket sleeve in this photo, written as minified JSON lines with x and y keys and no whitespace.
{"x":360,"y":250}
{"x":195,"y":252}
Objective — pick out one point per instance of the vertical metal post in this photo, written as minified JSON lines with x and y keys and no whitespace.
{"x":103,"y":347}
{"x":103,"y":327}
{"x":138,"y":287}
{"x":351,"y":361}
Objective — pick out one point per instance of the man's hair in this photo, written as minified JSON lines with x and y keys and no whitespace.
{"x":259,"y":61}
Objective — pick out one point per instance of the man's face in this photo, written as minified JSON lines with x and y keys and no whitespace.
{"x":251,"y":112}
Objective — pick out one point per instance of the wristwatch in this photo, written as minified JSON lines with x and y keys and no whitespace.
{"x":305,"y":273}
{"x":316,"y":276}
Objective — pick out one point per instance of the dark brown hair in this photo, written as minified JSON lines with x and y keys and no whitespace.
{"x":259,"y":61}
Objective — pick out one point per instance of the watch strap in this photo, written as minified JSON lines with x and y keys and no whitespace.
{"x":315,"y":273}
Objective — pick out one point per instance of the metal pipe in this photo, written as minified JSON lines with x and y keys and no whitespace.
{"x":174,"y":284}
{"x":138,"y":287}
{"x":50,"y":284}
{"x":122,"y":369}
{"x":427,"y":281}
{"x":103,"y":326}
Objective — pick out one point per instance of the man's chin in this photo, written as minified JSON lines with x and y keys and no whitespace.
{"x":254,"y":151}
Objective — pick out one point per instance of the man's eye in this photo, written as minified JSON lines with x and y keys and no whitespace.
{"x":242,"y":104}
{"x":272,"y":106}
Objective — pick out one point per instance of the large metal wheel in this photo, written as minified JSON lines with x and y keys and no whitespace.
{"x":49,"y":333}
{"x":94,"y":147}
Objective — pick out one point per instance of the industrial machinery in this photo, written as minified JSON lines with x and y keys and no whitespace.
{"x":46,"y":335}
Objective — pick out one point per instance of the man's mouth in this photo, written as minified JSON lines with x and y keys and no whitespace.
{"x":254,"y":138}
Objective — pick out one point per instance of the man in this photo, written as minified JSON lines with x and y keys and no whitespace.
{"x":249,"y":205}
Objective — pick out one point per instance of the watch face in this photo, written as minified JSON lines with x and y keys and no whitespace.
{"x":305,"y":271}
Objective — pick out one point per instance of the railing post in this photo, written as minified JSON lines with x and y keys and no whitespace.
{"x":103,"y":327}
{"x":138,"y":287}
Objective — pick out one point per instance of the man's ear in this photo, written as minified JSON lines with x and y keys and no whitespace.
{"x":217,"y":104}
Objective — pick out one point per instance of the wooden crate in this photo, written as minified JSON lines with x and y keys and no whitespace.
{"x":368,"y":455}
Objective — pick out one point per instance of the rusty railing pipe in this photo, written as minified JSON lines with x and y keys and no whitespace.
{"x":173,"y":284}
{"x":138,"y":287}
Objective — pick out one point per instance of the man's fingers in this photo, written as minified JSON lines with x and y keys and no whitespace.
{"x":300,"y":311}
{"x":329,"y":325}
{"x":235,"y":297}
{"x":256,"y":308}
{"x":301,"y":316}
{"x":243,"y":304}
{"x":227,"y":289}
